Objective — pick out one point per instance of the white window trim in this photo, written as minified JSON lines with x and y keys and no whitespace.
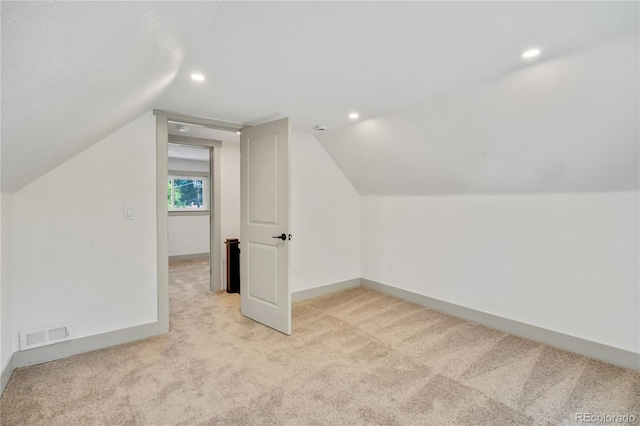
{"x":205,"y":188}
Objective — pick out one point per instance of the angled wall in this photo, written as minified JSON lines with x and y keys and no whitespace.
{"x":325,"y":218}
{"x":6,"y":321}
{"x":568,"y":124}
{"x":75,"y":259}
{"x":517,"y":197}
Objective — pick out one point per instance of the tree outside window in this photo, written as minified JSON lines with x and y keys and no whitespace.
{"x":186,"y":193}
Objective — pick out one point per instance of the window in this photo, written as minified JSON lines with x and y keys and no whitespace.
{"x":187,"y":193}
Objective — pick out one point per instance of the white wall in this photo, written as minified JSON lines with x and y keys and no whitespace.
{"x":564,"y":262}
{"x":516,"y":196}
{"x":188,"y":234}
{"x":6,"y":323}
{"x":75,"y":260}
{"x":229,"y":198}
{"x":325,"y":220}
{"x":3,"y":281}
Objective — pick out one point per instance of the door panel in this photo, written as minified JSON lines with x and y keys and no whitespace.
{"x":263,"y":179}
{"x":263,"y":273}
{"x":265,"y":205}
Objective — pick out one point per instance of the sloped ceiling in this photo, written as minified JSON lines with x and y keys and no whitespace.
{"x":569,"y":124}
{"x":73,"y":72}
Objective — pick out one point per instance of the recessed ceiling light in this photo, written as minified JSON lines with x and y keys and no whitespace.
{"x":531,"y":53}
{"x":197,"y":77}
{"x":353,"y":115}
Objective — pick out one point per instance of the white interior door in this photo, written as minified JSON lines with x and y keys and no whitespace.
{"x":264,"y":231}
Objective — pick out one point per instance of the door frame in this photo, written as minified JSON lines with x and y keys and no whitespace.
{"x":162,"y":166}
{"x":213,"y":195}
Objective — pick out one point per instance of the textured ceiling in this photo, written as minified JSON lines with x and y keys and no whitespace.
{"x":73,"y":72}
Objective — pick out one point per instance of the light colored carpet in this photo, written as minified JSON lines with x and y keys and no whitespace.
{"x":355,"y":357}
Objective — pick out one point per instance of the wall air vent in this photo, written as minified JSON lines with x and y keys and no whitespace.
{"x":44,"y":336}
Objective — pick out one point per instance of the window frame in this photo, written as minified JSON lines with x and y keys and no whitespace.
{"x":190,"y":175}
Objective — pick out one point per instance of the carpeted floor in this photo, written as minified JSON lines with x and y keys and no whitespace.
{"x":355,"y":357}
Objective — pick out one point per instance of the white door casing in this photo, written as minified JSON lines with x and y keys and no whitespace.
{"x":265,"y":214}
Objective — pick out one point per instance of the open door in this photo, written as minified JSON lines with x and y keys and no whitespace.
{"x":264,"y":229}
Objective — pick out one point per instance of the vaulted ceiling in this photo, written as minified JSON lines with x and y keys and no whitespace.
{"x":73,"y":72}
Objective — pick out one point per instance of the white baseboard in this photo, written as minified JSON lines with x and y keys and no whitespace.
{"x":589,"y":348}
{"x":310,"y":293}
{"x":84,"y":344}
{"x":179,"y":257}
{"x":6,"y":374}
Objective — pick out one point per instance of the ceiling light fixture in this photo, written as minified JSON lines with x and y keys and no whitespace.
{"x":197,"y":77}
{"x":182,"y":128}
{"x":353,"y":115}
{"x":531,"y":53}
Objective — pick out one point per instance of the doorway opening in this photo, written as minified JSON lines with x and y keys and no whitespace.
{"x":189,"y":195}
{"x":203,"y":203}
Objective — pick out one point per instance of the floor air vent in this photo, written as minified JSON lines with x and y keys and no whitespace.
{"x":44,"y":336}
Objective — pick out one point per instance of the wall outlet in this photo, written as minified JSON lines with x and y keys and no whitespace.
{"x":390,"y":265}
{"x":295,"y":271}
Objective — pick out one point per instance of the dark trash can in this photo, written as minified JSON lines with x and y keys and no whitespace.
{"x":233,"y":265}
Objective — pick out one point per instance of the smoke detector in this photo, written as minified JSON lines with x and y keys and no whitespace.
{"x":183,"y":128}
{"x":321,"y":127}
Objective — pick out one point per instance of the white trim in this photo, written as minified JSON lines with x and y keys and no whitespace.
{"x":215,"y":237}
{"x":200,"y":121}
{"x":162,"y":219}
{"x":191,"y":256}
{"x":162,"y":141}
{"x":189,"y":140}
{"x":588,"y":348}
{"x":206,"y":192}
{"x":310,"y":293}
{"x":188,"y":212}
{"x":84,"y":344}
{"x":187,"y":173}
{"x":6,"y":373}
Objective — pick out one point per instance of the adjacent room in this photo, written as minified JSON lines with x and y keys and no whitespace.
{"x":203,"y":201}
{"x":188,"y":198}
{"x":434,"y":208}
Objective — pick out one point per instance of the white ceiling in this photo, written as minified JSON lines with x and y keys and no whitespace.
{"x":570,"y":124}
{"x":73,"y":72}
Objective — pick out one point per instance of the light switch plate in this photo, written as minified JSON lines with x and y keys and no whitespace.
{"x":128,"y":213}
